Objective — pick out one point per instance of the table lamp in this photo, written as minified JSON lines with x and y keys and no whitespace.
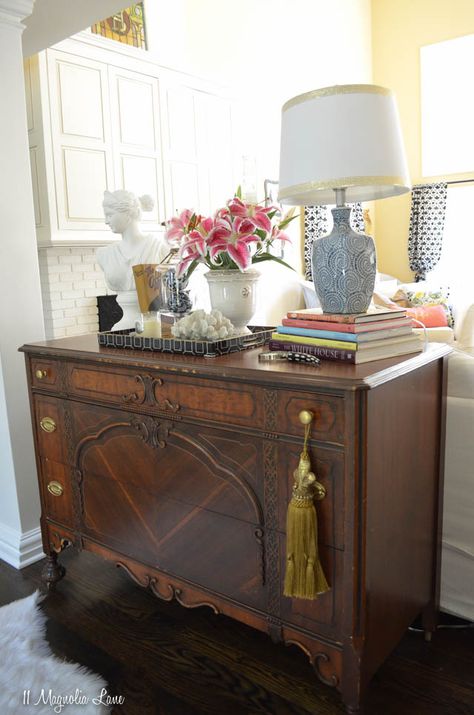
{"x":342,"y":143}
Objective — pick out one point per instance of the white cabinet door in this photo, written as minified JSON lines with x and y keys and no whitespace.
{"x":81,"y":139}
{"x":135,"y":121}
{"x":216,"y":146}
{"x":197,"y":149}
{"x":185,"y":185}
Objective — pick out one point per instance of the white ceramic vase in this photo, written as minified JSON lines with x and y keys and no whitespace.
{"x":235,"y":294}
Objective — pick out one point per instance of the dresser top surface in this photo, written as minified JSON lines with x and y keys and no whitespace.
{"x":241,"y":366}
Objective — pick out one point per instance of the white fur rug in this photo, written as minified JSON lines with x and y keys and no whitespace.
{"x":34,"y":681}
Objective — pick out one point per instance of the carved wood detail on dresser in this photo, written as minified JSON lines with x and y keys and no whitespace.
{"x":179,"y":471}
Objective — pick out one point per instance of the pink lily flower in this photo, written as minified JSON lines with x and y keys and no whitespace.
{"x":235,"y":239}
{"x":279,"y":235}
{"x":195,"y":247}
{"x":256,"y":214}
{"x":178,"y":226}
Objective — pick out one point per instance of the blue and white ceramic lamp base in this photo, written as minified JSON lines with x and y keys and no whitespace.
{"x":344,"y":267}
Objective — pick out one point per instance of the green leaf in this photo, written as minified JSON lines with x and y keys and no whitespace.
{"x":287,"y":221}
{"x":238,"y":192}
{"x":260,"y":233}
{"x":268,"y":257}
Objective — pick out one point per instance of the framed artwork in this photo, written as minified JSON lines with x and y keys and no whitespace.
{"x":126,"y":26}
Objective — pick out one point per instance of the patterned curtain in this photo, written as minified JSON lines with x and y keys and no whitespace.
{"x":425,"y":240}
{"x":316,"y":225}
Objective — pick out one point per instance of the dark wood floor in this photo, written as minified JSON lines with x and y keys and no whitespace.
{"x":167,"y":660}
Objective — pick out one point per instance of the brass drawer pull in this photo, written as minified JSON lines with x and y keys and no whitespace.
{"x":48,"y":424}
{"x":55,"y":488}
{"x":40,"y":374}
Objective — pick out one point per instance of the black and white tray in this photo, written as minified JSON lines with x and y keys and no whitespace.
{"x":201,"y":348}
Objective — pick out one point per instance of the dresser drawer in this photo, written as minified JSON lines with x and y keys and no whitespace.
{"x":56,"y":492}
{"x":322,"y":614}
{"x":328,"y":423}
{"x":328,"y":466}
{"x":207,"y":548}
{"x":50,"y":428}
{"x":204,"y":399}
{"x":44,"y":374}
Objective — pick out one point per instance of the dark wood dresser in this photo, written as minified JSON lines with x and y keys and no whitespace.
{"x":179,"y":470}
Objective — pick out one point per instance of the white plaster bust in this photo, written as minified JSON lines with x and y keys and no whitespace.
{"x":122,"y":210}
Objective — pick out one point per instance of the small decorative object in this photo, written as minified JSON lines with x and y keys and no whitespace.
{"x":149,"y":284}
{"x":122,"y":211}
{"x":126,"y":26}
{"x":288,"y":356}
{"x":176,"y":293}
{"x":132,"y":340}
{"x":238,"y":236}
{"x":304,"y":577}
{"x":235,"y":294}
{"x":339,"y":143}
{"x":203,"y":326}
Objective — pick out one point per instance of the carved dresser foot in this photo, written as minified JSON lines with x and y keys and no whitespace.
{"x":52,"y":571}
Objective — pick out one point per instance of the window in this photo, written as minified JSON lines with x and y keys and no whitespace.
{"x":447,"y":107}
{"x":457,"y":259}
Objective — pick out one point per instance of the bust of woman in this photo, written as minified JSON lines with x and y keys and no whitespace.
{"x":122,"y":210}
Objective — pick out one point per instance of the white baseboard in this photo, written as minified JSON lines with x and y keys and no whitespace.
{"x":20,"y":549}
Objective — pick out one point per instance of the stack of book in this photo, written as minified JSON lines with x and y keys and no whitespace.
{"x":379,"y":333}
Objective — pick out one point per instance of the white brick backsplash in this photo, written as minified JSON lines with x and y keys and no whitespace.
{"x":71,"y":279}
{"x":83,"y":284}
{"x":72,"y":294}
{"x":84,"y":319}
{"x":70,"y":259}
{"x":85,"y":302}
{"x":64,"y":322}
{"x":76,"y":330}
{"x":62,"y":304}
{"x":93,"y":276}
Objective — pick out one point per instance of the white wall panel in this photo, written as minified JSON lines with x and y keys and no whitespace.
{"x":184,"y":186}
{"x":85,"y":176}
{"x":136,"y":113}
{"x":139,"y":174}
{"x":80,"y":100}
{"x":181,"y":123}
{"x":28,"y":96}
{"x":35,"y":184}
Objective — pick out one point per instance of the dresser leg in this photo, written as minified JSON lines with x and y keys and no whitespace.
{"x":429,"y":619}
{"x":52,"y":571}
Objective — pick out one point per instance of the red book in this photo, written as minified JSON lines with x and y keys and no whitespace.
{"x":370,"y":316}
{"x":347,"y":327}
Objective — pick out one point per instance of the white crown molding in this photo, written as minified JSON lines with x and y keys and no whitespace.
{"x":20,"y":549}
{"x":12,"y":12}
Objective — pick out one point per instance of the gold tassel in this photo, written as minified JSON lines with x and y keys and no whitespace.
{"x":304,"y":577}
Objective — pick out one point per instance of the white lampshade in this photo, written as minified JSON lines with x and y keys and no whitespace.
{"x":347,"y":136}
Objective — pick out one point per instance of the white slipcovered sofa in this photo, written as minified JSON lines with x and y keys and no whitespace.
{"x":457,"y":564}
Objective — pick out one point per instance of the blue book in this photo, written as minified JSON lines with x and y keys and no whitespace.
{"x":327,"y":334}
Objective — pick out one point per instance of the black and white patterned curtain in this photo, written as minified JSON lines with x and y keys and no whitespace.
{"x":316,"y":225}
{"x":425,"y":240}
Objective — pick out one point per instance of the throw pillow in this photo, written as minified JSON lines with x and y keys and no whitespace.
{"x":432,"y":316}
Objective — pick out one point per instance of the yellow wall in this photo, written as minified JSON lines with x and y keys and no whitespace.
{"x":399,"y":29}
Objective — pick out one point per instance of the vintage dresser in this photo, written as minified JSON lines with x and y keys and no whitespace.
{"x":179,"y":470}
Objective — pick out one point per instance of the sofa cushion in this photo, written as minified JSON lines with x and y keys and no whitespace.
{"x":461,"y":376}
